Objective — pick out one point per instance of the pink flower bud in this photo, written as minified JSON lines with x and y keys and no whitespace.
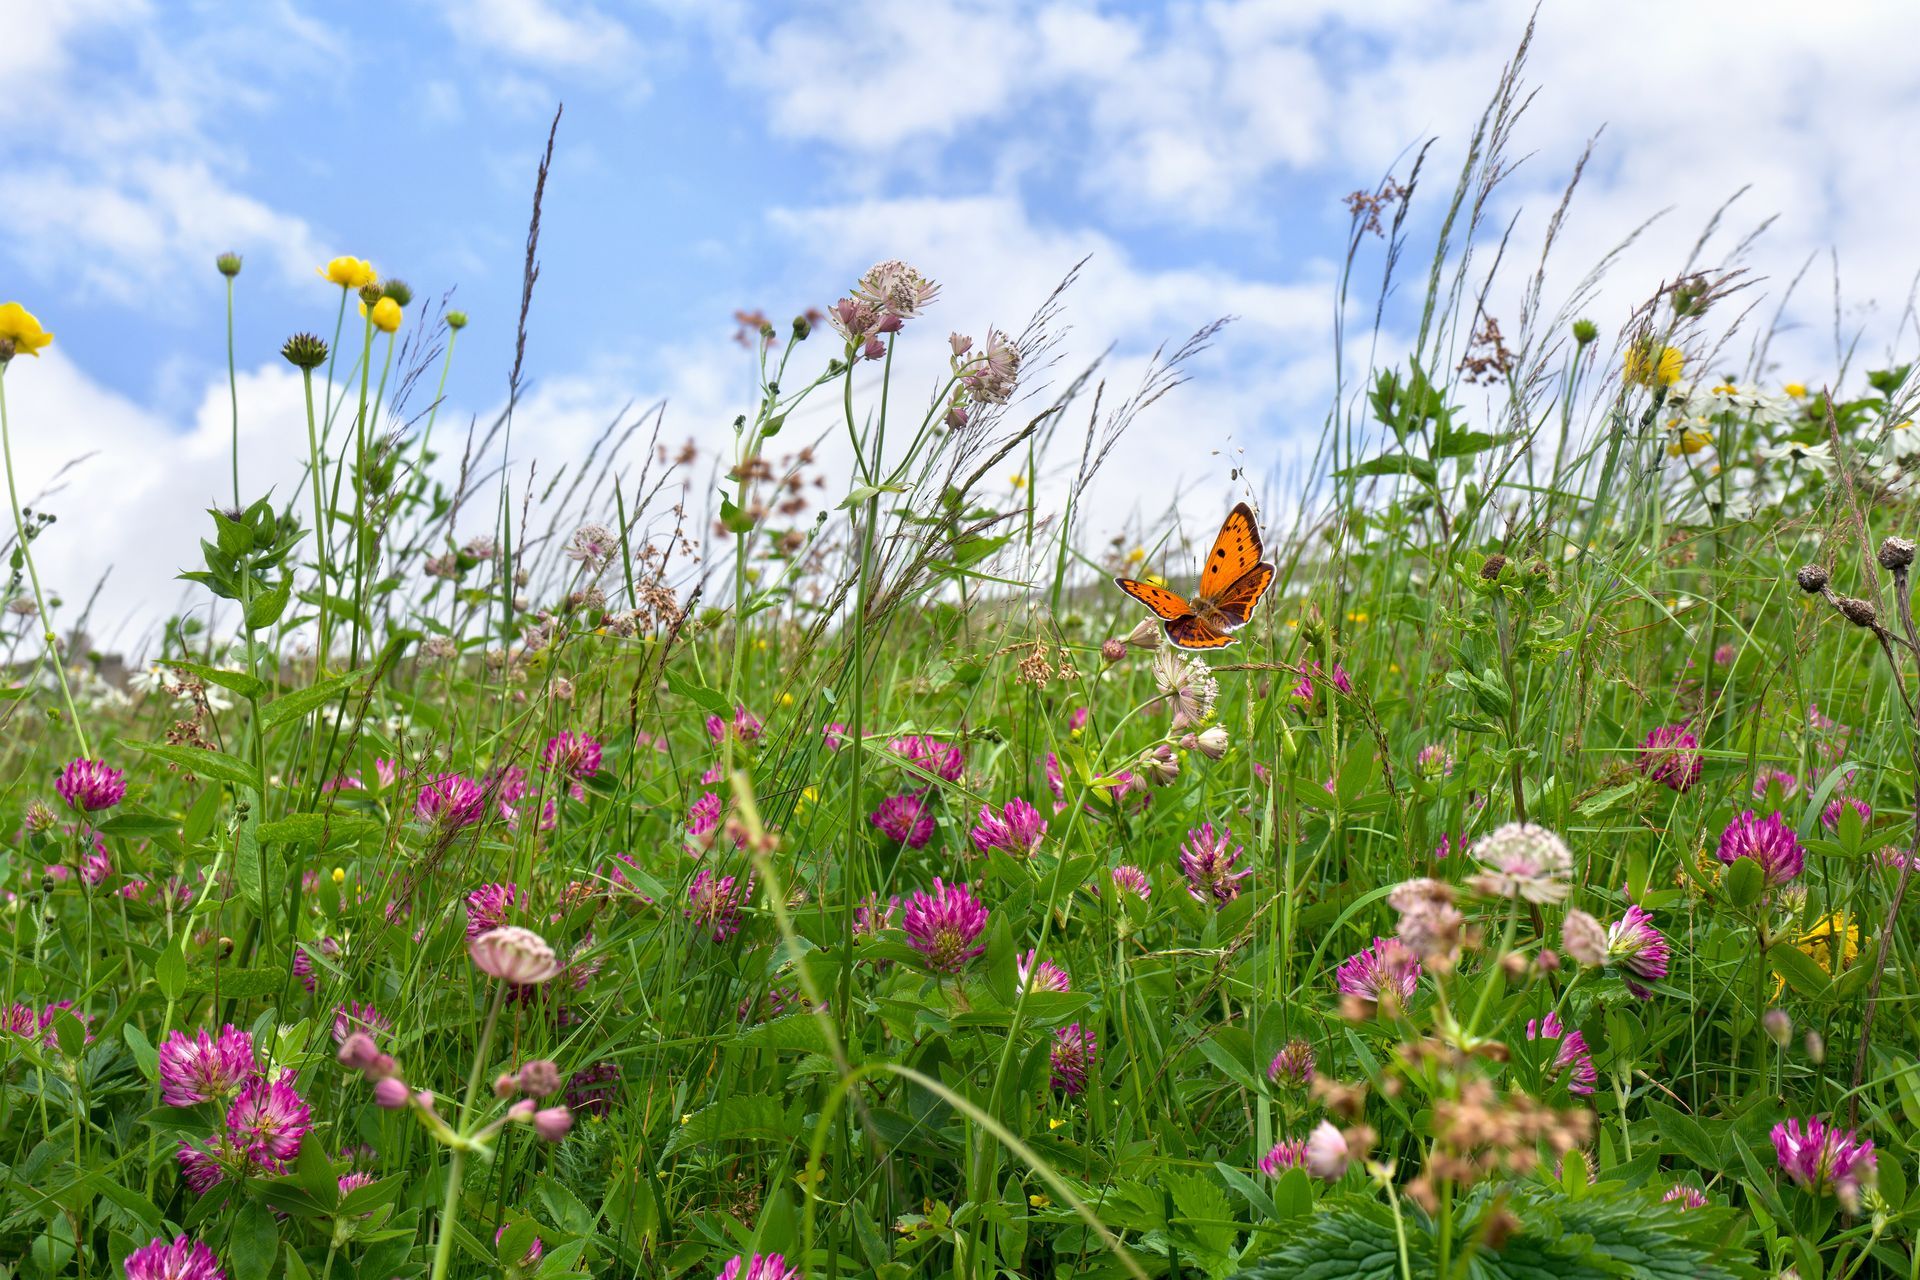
{"x":538,"y":1078}
{"x":503,"y":1085}
{"x":358,"y":1052}
{"x":512,"y":954}
{"x":391,"y":1093}
{"x":1327,"y":1153}
{"x":552,"y":1123}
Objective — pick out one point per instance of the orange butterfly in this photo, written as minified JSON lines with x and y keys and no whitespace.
{"x":1231,"y":583}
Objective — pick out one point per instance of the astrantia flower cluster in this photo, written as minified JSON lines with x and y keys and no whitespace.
{"x":1522,"y":860}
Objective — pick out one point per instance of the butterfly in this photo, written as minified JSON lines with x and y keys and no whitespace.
{"x":1231,"y":583}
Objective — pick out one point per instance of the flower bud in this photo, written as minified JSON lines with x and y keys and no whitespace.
{"x":1327,"y":1155}
{"x":392,"y":1093}
{"x":801,"y":328}
{"x":456,"y":320}
{"x":1584,"y":938}
{"x":1113,"y":650}
{"x":1816,"y":1048}
{"x":504,"y":1085}
{"x":1896,"y":554}
{"x":552,"y":1123}
{"x":1585,"y":332}
{"x":1778,"y":1025}
{"x":399,"y":290}
{"x":1492,"y":567}
{"x":358,"y":1052}
{"x":539,"y":1077}
{"x":1210,"y":742}
{"x":305,"y":351}
{"x":1812,"y":579}
{"x":228,"y":263}
{"x":1145,"y":636}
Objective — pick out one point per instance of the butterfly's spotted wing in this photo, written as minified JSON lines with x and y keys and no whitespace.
{"x":1235,"y":604}
{"x":1162,"y":601}
{"x":1192,"y":633}
{"x":1235,"y":551}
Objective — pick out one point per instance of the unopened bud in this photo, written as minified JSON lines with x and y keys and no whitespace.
{"x":1816,"y":1047}
{"x":1113,"y":650}
{"x":1778,"y":1025}
{"x":229,"y":264}
{"x":1585,"y":332}
{"x":1812,"y":579}
{"x":456,"y":320}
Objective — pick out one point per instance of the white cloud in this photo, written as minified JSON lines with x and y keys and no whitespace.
{"x":576,"y":38}
{"x":131,"y":505}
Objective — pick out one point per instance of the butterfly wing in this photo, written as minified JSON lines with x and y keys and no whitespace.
{"x":1235,"y":552}
{"x":1163,"y":602}
{"x":1235,"y":604}
{"x":1192,"y":633}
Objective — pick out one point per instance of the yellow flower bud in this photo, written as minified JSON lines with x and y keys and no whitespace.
{"x":339,"y":875}
{"x":386,"y":314}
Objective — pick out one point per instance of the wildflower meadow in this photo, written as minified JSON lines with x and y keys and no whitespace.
{"x":613,"y":869}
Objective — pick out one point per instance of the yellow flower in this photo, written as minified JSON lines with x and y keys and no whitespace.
{"x":1136,"y":555}
{"x":1039,"y":1201}
{"x":349,"y":273}
{"x":1017,"y":481}
{"x":1688,"y":441}
{"x":786,"y":699}
{"x":1356,"y":617}
{"x":19,"y":327}
{"x":1156,"y":580}
{"x":339,"y":875}
{"x":1650,"y":364}
{"x":1817,"y":945}
{"x":810,"y":794}
{"x":1798,"y":390}
{"x":1726,"y":389}
{"x":1054,"y":1122}
{"x":386,"y":314}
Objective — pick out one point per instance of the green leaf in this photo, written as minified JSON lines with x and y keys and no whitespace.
{"x":1601,"y":801}
{"x":568,"y":1213}
{"x":1393,"y":464}
{"x":145,"y":1056}
{"x":202,"y":763}
{"x":300,"y":701}
{"x":138,"y":824}
{"x":708,"y":699}
{"x":265,"y":610}
{"x":1683,"y":1135}
{"x":314,"y":828}
{"x":731,"y":1118}
{"x":1798,"y":968}
{"x":170,"y":968}
{"x":861,"y":492}
{"x":733,"y":518}
{"x":255,"y":1242}
{"x":1744,"y":882}
{"x":239,"y":681}
{"x":798,"y":1031}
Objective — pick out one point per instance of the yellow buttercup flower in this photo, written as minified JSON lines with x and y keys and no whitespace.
{"x":786,"y":699}
{"x":1136,"y":555}
{"x":1798,"y":390}
{"x":1650,"y":364}
{"x":1156,"y":580}
{"x":1039,"y":1201}
{"x":339,"y":875}
{"x":349,"y":273}
{"x":1017,"y":481}
{"x":1817,"y":945}
{"x":386,"y":314}
{"x":19,"y":327}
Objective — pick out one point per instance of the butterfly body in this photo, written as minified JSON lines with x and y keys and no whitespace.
{"x":1231,"y":583}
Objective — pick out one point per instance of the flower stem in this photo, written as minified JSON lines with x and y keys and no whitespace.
{"x":457,"y":1165}
{"x":33,"y":574}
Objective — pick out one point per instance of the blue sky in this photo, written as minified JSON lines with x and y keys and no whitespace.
{"x":726,"y":155}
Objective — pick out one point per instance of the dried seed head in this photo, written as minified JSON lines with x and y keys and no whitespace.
{"x":1812,"y":578}
{"x":1896,"y":554}
{"x":1860,"y":613}
{"x":1491,"y":569}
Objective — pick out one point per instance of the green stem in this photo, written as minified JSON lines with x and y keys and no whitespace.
{"x":33,"y":574}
